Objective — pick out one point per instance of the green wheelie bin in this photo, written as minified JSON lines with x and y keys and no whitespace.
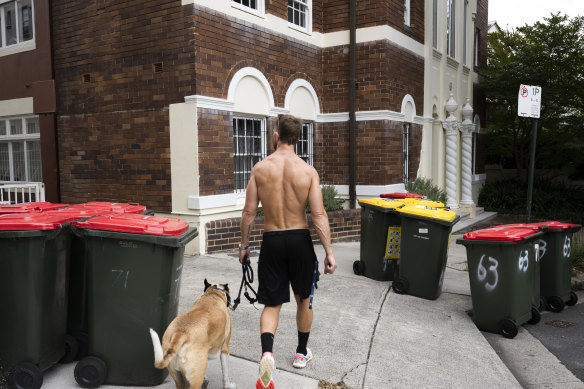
{"x":134,"y":267}
{"x":555,"y":248}
{"x":380,"y":239}
{"x":424,"y":249}
{"x":76,"y":339}
{"x":33,"y":298}
{"x":501,"y":264}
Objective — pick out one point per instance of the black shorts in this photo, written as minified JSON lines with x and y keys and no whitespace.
{"x":286,"y":257}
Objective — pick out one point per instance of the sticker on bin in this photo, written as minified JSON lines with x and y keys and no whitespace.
{"x":30,"y":207}
{"x":136,"y":224}
{"x":503,"y":234}
{"x":392,"y":247}
{"x":32,"y":221}
{"x":110,"y":207}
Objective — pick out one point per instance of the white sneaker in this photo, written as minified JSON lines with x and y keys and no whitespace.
{"x":267,"y":366}
{"x":300,"y":360}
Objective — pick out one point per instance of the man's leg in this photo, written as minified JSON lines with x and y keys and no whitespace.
{"x":304,"y":317}
{"x":268,"y":326}
{"x":269,"y":319}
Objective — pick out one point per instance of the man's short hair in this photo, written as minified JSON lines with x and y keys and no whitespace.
{"x":289,"y":128}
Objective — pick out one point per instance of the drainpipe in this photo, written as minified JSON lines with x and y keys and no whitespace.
{"x":352,"y":104}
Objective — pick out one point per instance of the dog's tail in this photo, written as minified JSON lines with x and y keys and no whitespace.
{"x":160,"y":360}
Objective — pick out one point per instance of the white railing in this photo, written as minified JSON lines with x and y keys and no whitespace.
{"x":24,"y":192}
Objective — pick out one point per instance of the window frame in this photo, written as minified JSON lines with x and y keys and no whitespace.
{"x":477,"y":43}
{"x":262,"y":153}
{"x":259,"y":10}
{"x":406,"y":152}
{"x":435,"y":19}
{"x":17,"y":26}
{"x":309,"y":154}
{"x":451,"y":28}
{"x":308,"y":16}
{"x":407,"y":13}
{"x":24,"y":138}
{"x":465,"y":34}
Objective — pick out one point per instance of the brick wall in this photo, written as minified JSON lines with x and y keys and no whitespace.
{"x":225,"y":236}
{"x":113,"y":130}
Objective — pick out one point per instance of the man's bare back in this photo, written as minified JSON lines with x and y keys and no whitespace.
{"x":283,"y":181}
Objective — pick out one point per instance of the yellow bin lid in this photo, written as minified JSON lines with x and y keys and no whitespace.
{"x":429,"y":212}
{"x":425,"y":203}
{"x":381,"y":203}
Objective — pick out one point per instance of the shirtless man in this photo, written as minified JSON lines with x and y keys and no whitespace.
{"x":283,"y":182}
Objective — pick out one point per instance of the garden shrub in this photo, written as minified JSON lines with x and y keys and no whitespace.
{"x":424,"y":186}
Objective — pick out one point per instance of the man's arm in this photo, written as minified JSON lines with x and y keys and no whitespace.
{"x":321,"y":224}
{"x":248,"y":215}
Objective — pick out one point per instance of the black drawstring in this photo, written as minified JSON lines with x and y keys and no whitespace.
{"x":246,"y":281}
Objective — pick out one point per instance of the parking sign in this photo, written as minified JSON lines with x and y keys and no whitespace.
{"x":529,"y":101}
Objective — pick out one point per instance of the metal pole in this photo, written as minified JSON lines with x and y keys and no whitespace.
{"x":352,"y":103}
{"x":531,"y":167}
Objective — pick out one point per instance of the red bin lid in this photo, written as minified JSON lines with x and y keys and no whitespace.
{"x":40,"y":206}
{"x":136,"y":224}
{"x":103,"y":206}
{"x":398,"y":195}
{"x":501,"y":233}
{"x":75,"y":214}
{"x":31,"y":221}
{"x":554,"y":225}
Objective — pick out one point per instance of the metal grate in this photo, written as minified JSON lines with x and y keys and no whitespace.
{"x":249,"y":147}
{"x":303,"y":147}
{"x":158,"y":67}
{"x":87,"y":78}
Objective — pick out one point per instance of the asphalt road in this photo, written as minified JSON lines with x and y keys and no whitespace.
{"x":563,"y":335}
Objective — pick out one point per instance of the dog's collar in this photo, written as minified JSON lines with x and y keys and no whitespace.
{"x":227,"y":297}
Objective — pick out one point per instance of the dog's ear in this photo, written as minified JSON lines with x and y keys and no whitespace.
{"x":226,"y":286}
{"x":207,"y":285}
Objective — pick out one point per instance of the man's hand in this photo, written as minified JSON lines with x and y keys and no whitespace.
{"x":243,"y":253}
{"x":330,"y":264}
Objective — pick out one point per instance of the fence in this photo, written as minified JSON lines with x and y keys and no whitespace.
{"x":25,"y":192}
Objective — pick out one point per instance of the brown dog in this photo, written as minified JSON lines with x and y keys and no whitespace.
{"x":196,"y":336}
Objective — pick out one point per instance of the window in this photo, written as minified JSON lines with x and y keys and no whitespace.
{"x":435,"y":24}
{"x":299,"y":13}
{"x":407,"y":12}
{"x":253,"y":4}
{"x":465,"y":34}
{"x":20,"y":150}
{"x":303,"y":147}
{"x":249,"y":147}
{"x":406,"y":152}
{"x":16,"y":22}
{"x":477,"y":40}
{"x":451,"y":28}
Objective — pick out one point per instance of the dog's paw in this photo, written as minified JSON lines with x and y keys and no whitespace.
{"x":205,"y":384}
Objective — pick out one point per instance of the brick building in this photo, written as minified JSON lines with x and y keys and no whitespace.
{"x":169,"y":103}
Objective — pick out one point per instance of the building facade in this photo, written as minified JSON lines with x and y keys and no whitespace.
{"x":170,"y":103}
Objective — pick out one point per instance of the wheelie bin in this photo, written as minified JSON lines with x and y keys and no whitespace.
{"x":33,"y":207}
{"x":107,"y":207}
{"x":133,"y":281}
{"x":424,"y":250}
{"x":555,"y":248}
{"x":400,"y":195}
{"x":380,"y":239}
{"x":501,"y":264}
{"x":33,"y":261}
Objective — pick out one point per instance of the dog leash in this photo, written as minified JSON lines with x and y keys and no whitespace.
{"x":314,"y":285}
{"x":246,"y":282}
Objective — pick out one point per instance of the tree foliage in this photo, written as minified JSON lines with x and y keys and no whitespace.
{"x":549,"y":54}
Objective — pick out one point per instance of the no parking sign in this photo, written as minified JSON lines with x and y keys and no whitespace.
{"x":529,"y":101}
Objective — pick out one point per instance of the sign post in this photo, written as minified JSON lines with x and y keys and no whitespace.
{"x":529,"y":105}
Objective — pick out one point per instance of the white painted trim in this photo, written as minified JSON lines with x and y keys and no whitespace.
{"x":16,"y":107}
{"x":213,"y":201}
{"x":371,"y":34}
{"x":376,"y":190}
{"x":407,"y":99}
{"x":18,"y":48}
{"x":274,"y":112}
{"x":479,"y":178}
{"x":301,"y":83}
{"x":362,"y":116}
{"x":210,"y":102}
{"x":336,"y":117}
{"x":253,"y":72}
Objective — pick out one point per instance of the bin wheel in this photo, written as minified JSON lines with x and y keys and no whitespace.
{"x":573,"y":299}
{"x":508,"y":328}
{"x":83,"y":347}
{"x":541,"y":304}
{"x":535,"y":315}
{"x":71,"y":349}
{"x":358,"y":267}
{"x":555,"y":304}
{"x":25,"y":376}
{"x":400,"y":285}
{"x":90,"y":372}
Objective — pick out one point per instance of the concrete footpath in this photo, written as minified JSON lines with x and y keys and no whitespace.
{"x":367,"y":336}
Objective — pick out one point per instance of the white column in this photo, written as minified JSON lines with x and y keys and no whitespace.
{"x":466,"y":130}
{"x":451,"y":126}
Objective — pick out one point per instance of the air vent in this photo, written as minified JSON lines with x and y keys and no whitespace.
{"x":157,"y":67}
{"x":87,"y":78}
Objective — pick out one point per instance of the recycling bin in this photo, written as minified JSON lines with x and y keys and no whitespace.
{"x":134,"y":266}
{"x":107,"y":207}
{"x":555,"y":250}
{"x":33,"y":207}
{"x":501,"y":264}
{"x":424,"y":250}
{"x":380,"y":239}
{"x":399,"y":195}
{"x":34,"y":253}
